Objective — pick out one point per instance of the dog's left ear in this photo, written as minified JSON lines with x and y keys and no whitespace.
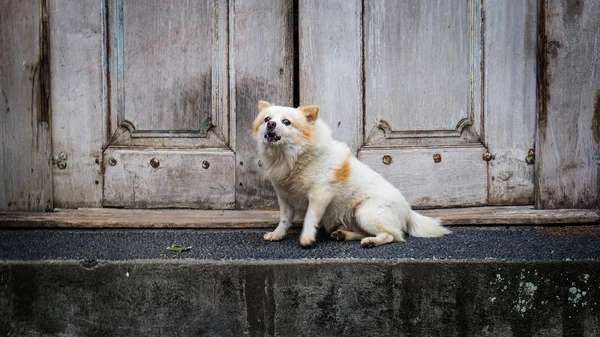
{"x":263,"y":105}
{"x":311,"y":112}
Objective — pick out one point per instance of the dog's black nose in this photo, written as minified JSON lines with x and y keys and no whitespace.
{"x":271,"y":125}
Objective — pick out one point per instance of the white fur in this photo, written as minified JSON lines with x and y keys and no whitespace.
{"x":365,"y":207}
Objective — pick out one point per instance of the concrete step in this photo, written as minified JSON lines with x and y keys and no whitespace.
{"x":525,"y":281}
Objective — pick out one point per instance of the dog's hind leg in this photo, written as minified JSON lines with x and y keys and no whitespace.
{"x":380,"y":222}
{"x":380,"y":239}
{"x":343,"y":235}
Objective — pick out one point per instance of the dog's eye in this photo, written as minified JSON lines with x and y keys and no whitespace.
{"x":267,"y":119}
{"x":286,"y":122}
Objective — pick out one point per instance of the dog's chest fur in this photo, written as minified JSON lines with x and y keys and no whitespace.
{"x":295,"y":181}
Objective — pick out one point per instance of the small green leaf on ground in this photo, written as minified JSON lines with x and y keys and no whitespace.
{"x":178,"y":248}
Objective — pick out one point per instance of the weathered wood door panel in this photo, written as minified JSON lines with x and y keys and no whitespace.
{"x":25,"y":146}
{"x":78,"y":100}
{"x":261,"y":65}
{"x":420,"y":90}
{"x":568,"y":170}
{"x":510,"y":69}
{"x":169,"y":144}
{"x":421,"y":77}
{"x":420,"y":99}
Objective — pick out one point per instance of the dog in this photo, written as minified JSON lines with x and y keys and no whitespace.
{"x":319,"y":178}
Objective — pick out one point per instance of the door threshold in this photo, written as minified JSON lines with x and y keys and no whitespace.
{"x":94,"y":218}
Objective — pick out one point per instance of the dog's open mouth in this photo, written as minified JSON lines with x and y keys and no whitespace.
{"x":272,"y":137}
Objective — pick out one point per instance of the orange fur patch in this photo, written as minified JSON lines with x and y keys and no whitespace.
{"x":259,"y":121}
{"x":342,"y":174}
{"x":305,"y":129}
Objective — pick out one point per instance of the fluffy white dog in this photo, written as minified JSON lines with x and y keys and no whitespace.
{"x":318,"y":177}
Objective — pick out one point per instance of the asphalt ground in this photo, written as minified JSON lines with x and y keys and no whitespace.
{"x":466,"y":243}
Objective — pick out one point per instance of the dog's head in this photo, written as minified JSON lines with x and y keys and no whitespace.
{"x":280,"y":126}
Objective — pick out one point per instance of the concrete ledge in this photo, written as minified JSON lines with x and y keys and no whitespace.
{"x":479,"y":281}
{"x":299,"y":298}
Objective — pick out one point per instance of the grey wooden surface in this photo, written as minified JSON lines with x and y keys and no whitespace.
{"x":416,"y":67}
{"x":168,"y":50}
{"x":510,"y":98}
{"x":154,"y":178}
{"x":224,"y":219}
{"x":422,"y":88}
{"x":25,"y":147}
{"x":78,"y":100}
{"x":169,"y":92}
{"x":568,"y":144}
{"x":331,"y":65}
{"x":261,"y":62}
{"x":186,"y":64}
{"x":455,"y":181}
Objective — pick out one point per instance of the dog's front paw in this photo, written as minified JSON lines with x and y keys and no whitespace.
{"x":307,"y":242}
{"x":272,"y":236}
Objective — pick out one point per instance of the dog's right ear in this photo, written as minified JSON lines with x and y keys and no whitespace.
{"x":263,"y":105}
{"x":311,"y":113}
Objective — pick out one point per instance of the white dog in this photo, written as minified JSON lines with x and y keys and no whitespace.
{"x":319,"y":178}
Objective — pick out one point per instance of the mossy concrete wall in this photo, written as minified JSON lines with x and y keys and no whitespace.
{"x":300,"y":298}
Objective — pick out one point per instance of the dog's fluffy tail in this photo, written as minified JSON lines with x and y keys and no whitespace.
{"x":425,"y":227}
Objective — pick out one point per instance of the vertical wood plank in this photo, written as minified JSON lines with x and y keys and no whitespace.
{"x":173,"y":41}
{"x":568,"y":144}
{"x":510,"y":98}
{"x":25,"y":180}
{"x":330,"y":65}
{"x":261,"y":68}
{"x":78,"y":99}
{"x":417,"y":64}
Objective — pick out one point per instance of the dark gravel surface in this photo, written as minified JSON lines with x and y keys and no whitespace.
{"x":518,"y":243}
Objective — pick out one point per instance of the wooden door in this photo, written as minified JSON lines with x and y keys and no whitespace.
{"x":427,"y":91}
{"x":169,"y":126}
{"x":419,"y":90}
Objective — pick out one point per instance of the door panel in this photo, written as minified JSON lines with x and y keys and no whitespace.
{"x":169,"y":105}
{"x":510,"y":98}
{"x":77,"y":49}
{"x":330,"y":65}
{"x":423,"y":92}
{"x":417,"y":68}
{"x":167,"y":61}
{"x":455,"y":180}
{"x":169,"y":178}
{"x":261,"y":68}
{"x":421,"y":74}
